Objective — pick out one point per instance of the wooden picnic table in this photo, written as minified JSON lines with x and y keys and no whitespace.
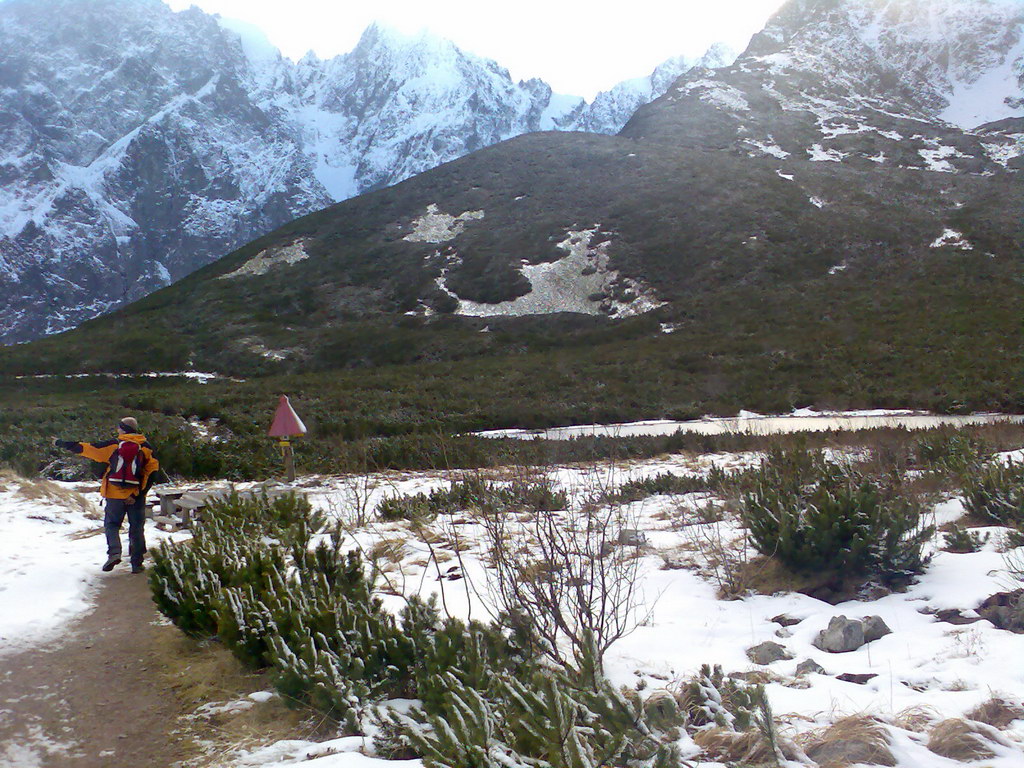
{"x":181,"y":505}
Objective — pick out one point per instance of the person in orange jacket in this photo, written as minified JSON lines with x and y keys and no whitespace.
{"x":130,"y":466}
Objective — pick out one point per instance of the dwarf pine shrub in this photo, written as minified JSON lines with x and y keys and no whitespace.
{"x":536,"y":494}
{"x":710,"y":698}
{"x":309,"y":614}
{"x":664,"y":483}
{"x":814,"y":515}
{"x":533,"y":716}
{"x":947,"y":451}
{"x":227,"y":549}
{"x":959,"y":540}
{"x":995,"y":491}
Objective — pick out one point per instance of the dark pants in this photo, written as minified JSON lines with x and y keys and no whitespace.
{"x":112,"y":519}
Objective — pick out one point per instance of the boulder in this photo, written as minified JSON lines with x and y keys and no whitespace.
{"x":809,"y":667}
{"x":841,"y":636}
{"x":1005,"y":610}
{"x":875,"y":628}
{"x":955,"y":616}
{"x":768,"y":652}
{"x":785,"y":620}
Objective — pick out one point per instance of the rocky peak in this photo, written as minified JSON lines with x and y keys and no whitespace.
{"x":137,"y":144}
{"x":958,"y":60}
{"x":867,"y":82}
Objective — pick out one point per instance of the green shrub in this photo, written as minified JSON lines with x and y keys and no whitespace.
{"x":664,"y":483}
{"x":959,"y":540}
{"x":1013,"y":539}
{"x":814,"y":515}
{"x":535,"y":494}
{"x":532,"y":716}
{"x":227,"y":550}
{"x":251,"y":577}
{"x":995,"y":491}
{"x":947,"y":450}
{"x":710,"y":698}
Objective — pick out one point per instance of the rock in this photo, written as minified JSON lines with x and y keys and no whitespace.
{"x":955,"y":616}
{"x":849,"y":677}
{"x":1005,"y":610}
{"x":875,"y":628}
{"x":783,"y":632}
{"x":845,"y":634}
{"x":809,"y":667}
{"x":632,"y":538}
{"x":768,"y":652}
{"x":784,"y":620}
{"x":841,"y":636}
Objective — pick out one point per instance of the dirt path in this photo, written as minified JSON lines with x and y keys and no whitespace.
{"x":97,"y":699}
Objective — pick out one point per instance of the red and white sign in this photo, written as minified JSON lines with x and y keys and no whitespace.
{"x":286,"y":421}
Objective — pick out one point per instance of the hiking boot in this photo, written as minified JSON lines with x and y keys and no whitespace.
{"x":111,"y":562}
{"x":140,"y":568}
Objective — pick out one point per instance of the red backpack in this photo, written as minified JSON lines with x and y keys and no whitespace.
{"x":126,"y":465}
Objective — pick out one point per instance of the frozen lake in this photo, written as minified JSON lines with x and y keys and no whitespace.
{"x":753,"y":423}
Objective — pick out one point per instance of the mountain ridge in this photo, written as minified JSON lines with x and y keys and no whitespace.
{"x":143,"y":143}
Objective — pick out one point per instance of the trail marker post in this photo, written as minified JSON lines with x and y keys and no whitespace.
{"x":285,"y":426}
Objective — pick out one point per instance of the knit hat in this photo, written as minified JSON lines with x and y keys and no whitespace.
{"x":128,"y":425}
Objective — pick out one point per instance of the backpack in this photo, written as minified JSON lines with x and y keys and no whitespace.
{"x":126,"y":465}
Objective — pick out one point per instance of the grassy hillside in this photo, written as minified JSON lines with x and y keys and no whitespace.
{"x":936,"y":341}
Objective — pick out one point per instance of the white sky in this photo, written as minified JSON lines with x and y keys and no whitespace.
{"x":579,"y":47}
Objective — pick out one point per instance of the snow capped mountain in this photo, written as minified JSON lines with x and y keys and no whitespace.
{"x":921,"y":84}
{"x":137,"y":144}
{"x":133,"y":153}
{"x":961,"y":61}
{"x":610,"y":110}
{"x":397,"y":105}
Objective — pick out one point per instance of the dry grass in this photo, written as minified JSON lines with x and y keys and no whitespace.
{"x":428,"y":535}
{"x":747,"y":748}
{"x":962,"y":741}
{"x":50,"y":493}
{"x":767,"y":576}
{"x":997,"y":712}
{"x":205,"y":672}
{"x":916,"y":719}
{"x":389,"y":550}
{"x":729,"y":746}
{"x":850,"y":741}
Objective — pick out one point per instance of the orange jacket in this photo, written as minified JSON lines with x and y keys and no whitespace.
{"x":102,"y":452}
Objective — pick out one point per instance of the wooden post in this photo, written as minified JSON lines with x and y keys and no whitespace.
{"x":285,"y":426}
{"x":289,"y":461}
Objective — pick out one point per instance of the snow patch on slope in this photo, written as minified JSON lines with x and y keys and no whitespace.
{"x":717,"y":93}
{"x":987,"y":98}
{"x":437,"y":227}
{"x":953,"y":239}
{"x":580,"y":282}
{"x":266,"y":259}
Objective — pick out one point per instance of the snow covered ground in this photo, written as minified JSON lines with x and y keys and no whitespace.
{"x":747,"y":422}
{"x":51,"y":549}
{"x":926,"y":667}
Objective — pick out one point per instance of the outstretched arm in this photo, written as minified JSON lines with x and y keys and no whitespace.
{"x":97,"y":452}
